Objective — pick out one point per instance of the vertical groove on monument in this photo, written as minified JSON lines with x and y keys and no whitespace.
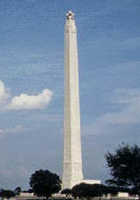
{"x":72,"y":166}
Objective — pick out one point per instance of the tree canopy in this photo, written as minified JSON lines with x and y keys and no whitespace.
{"x":6,"y":194}
{"x":124,"y":166}
{"x":45,"y":183}
{"x":96,"y":190}
{"x":17,"y":190}
{"x":89,"y":190}
{"x":66,"y":191}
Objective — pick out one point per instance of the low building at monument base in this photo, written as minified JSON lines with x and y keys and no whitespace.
{"x":121,"y":195}
{"x":91,"y":181}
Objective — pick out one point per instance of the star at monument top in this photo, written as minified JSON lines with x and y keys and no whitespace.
{"x":70,"y":15}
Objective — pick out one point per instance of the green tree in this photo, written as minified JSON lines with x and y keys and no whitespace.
{"x":6,"y":194}
{"x":89,"y":190}
{"x":124,"y":166}
{"x":80,"y":190}
{"x":45,"y":183}
{"x":17,"y":190}
{"x":67,"y":192}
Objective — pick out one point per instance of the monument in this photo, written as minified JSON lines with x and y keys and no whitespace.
{"x":72,"y":169}
{"x":72,"y":163}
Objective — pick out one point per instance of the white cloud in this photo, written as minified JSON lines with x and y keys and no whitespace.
{"x":23,"y":101}
{"x":3,"y":93}
{"x":28,"y":102}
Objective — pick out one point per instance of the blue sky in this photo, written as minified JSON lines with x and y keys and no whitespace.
{"x":31,"y":83}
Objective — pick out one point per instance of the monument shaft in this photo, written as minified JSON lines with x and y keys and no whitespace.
{"x":72,"y":166}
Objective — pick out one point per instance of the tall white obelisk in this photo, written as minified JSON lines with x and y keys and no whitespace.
{"x":72,"y":166}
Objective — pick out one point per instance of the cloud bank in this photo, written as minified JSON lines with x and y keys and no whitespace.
{"x":3,"y":93}
{"x":24,"y":101}
{"x":127,"y":103}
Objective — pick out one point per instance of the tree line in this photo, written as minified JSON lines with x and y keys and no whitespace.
{"x":124,"y":165}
